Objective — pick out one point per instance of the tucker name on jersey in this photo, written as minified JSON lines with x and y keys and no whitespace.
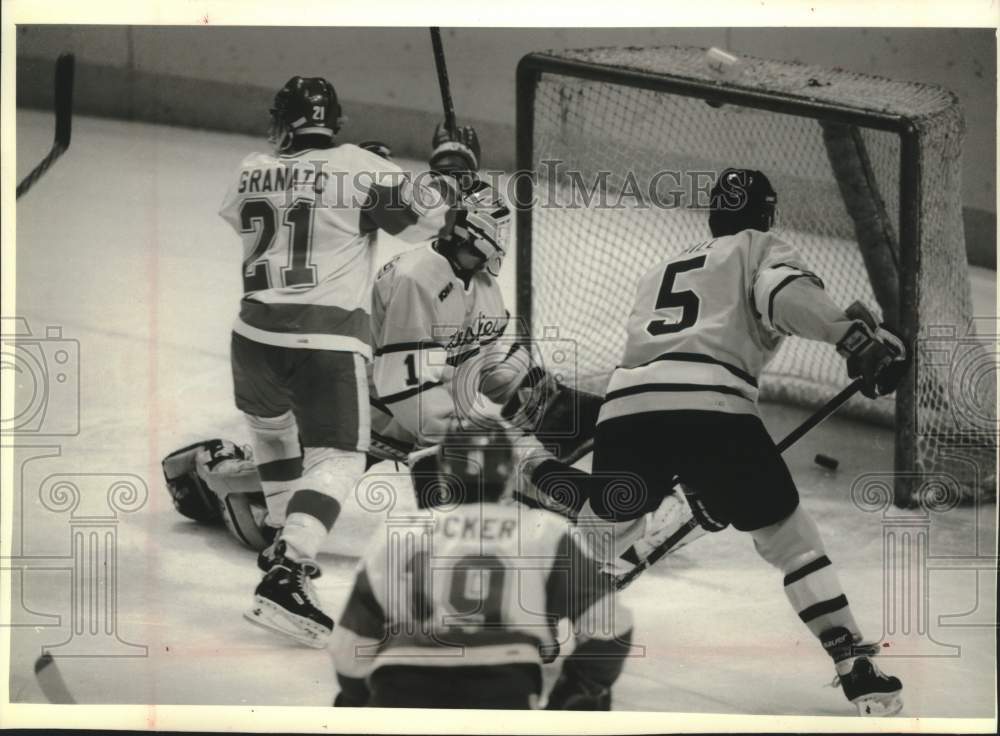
{"x":481,"y":584}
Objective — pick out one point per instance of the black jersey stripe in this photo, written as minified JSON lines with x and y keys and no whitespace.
{"x":784,"y":282}
{"x":400,"y":347}
{"x":822,"y":608}
{"x":807,"y":569}
{"x":377,"y":403}
{"x":410,"y":392}
{"x":800,"y":270}
{"x":673,"y":387}
{"x":702,"y":358}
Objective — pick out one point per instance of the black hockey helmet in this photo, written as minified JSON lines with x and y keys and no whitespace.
{"x":472,"y":464}
{"x":741,"y":199}
{"x":304,"y":106}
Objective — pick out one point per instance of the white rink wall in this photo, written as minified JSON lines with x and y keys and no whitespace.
{"x":225,"y":77}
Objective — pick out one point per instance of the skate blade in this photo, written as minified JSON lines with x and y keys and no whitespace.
{"x":879,"y":706}
{"x":274,"y":618}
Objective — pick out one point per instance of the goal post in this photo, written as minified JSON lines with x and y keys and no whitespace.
{"x":868,"y":177}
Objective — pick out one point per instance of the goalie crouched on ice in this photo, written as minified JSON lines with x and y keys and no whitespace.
{"x":443,"y":352}
{"x":458,"y":607}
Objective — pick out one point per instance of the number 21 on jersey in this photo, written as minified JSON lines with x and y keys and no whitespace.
{"x":260,"y":217}
{"x":669,"y":298}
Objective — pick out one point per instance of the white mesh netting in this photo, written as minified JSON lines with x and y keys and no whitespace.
{"x":659,"y":153}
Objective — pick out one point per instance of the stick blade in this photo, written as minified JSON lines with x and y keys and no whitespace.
{"x":51,"y":682}
{"x":65,"y":68}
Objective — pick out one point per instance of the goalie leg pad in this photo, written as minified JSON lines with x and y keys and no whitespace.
{"x":191,"y":496}
{"x":245,"y":516}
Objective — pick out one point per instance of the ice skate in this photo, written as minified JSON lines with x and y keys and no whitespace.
{"x":874,"y":693}
{"x":286,"y":602}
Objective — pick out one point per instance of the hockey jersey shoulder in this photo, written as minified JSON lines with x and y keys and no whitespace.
{"x":423,"y":270}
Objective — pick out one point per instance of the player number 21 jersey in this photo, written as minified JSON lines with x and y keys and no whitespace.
{"x":307,"y":246}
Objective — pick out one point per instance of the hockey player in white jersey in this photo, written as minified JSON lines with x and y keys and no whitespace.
{"x":684,"y":402}
{"x":438,"y":318}
{"x":307,"y":214}
{"x":457,"y":607}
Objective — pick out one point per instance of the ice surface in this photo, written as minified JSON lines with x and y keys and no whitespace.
{"x":120,"y":245}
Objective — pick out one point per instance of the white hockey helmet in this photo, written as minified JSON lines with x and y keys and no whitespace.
{"x":482,"y":220}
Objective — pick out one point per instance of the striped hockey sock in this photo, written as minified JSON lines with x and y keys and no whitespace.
{"x":814,"y":591}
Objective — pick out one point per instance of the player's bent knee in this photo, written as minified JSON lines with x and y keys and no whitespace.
{"x":276,"y":440}
{"x":790,"y":543}
{"x":330,"y":471}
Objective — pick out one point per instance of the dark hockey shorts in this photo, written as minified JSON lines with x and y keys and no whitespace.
{"x":326,"y":390}
{"x":500,"y":687}
{"x":729,"y":460}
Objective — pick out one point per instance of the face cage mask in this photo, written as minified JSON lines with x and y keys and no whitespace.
{"x":493,"y":261}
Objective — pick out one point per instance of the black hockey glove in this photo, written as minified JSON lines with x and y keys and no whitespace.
{"x":873,"y":353}
{"x":455,"y":155}
{"x":378,"y":148}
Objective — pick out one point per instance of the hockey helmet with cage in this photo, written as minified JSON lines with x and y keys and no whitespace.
{"x":481,"y":220}
{"x":741,"y":199}
{"x":473,"y":464}
{"x":304,"y":106}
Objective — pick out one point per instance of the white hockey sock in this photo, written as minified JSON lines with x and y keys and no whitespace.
{"x":303,"y":534}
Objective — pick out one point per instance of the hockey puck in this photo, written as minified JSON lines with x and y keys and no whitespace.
{"x":825,"y":461}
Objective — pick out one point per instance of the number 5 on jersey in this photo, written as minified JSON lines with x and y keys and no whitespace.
{"x":686,"y":300}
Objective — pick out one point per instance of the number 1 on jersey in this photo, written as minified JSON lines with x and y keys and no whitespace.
{"x":687,"y":301}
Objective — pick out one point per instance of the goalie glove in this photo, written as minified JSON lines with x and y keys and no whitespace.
{"x":873,"y":353}
{"x":457,"y":154}
{"x":558,"y":415}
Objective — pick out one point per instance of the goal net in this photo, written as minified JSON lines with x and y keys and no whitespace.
{"x":625,"y":144}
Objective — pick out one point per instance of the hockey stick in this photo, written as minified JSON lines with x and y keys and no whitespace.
{"x":51,"y":682}
{"x":442,"y":73}
{"x":622,"y":581}
{"x":64,"y":122}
